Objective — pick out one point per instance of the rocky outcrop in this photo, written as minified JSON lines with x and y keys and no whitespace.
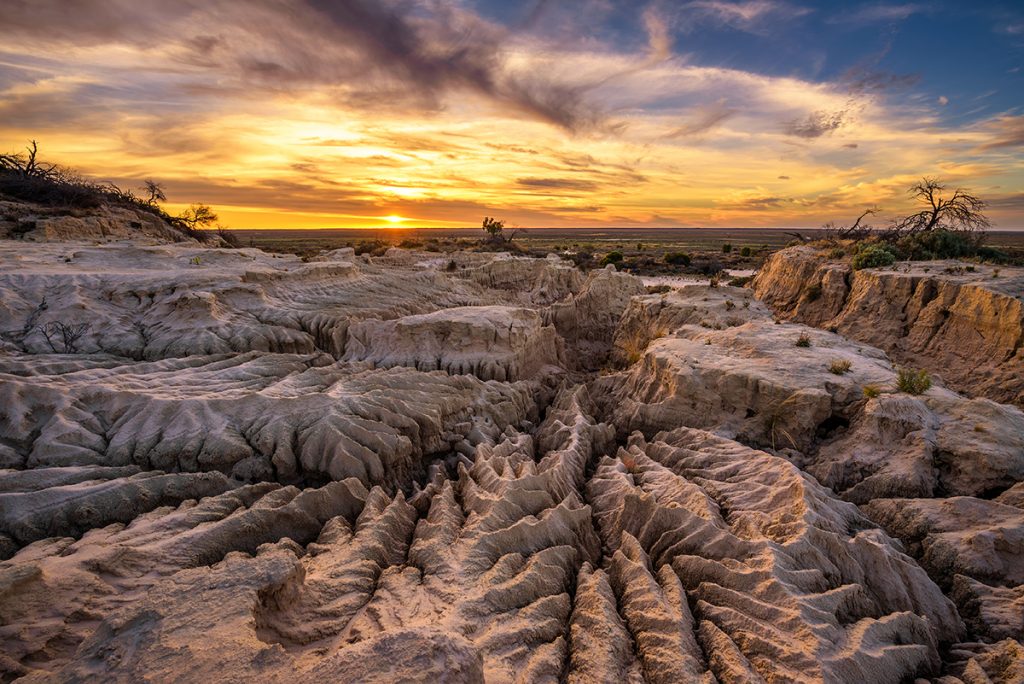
{"x":769,"y":601}
{"x":37,"y":223}
{"x":254,"y":468}
{"x":588,"y":320}
{"x":962,"y":322}
{"x":280,"y":417}
{"x":490,"y":342}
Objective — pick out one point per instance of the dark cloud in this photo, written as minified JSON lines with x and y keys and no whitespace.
{"x":557,"y":184}
{"x":1014,"y":202}
{"x":1006,"y":132}
{"x":867,"y":81}
{"x":783,"y":177}
{"x":372,"y":52}
{"x":815,"y":125}
{"x":758,"y":203}
{"x":851,"y":146}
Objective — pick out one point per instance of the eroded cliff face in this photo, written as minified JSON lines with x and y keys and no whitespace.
{"x":965,"y":326}
{"x":247,"y":467}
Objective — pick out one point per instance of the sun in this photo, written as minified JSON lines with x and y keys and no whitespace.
{"x":395,"y":220}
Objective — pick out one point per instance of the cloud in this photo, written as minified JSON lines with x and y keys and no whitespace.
{"x":750,"y":16}
{"x":658,"y":39}
{"x":881,"y":12}
{"x":557,"y":184}
{"x":372,"y":52}
{"x":757,"y":203}
{"x":783,"y":177}
{"x":1003,"y":132}
{"x":704,"y":119}
{"x":815,"y":125}
{"x":851,"y":146}
{"x":943,"y":100}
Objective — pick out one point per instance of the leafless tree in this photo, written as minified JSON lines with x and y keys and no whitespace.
{"x":851,"y":232}
{"x":67,"y":335}
{"x":154,"y":192}
{"x":961,"y":212}
{"x":198,"y":216}
{"x":28,"y":165}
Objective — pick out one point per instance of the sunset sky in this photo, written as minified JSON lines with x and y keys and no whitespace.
{"x":320,"y":113}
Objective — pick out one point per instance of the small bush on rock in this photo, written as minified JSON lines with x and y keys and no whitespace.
{"x":912,"y":381}
{"x":873,"y":255}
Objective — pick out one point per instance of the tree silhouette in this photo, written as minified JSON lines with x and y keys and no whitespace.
{"x":962,"y":211}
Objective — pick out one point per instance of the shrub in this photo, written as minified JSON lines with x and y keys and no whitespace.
{"x":871,"y":391}
{"x":371,"y":247}
{"x":740,"y":281}
{"x":229,"y":238}
{"x":837,"y":253}
{"x":729,"y":305}
{"x":803,"y":341}
{"x":612,"y":258}
{"x":873,"y":255}
{"x":726,"y":248}
{"x":839,"y":366}
{"x":936,"y":244}
{"x":992,"y":254}
{"x":912,"y":381}
{"x":745,"y":252}
{"x":678,"y":259}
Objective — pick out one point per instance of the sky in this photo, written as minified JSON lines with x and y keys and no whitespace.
{"x":371,"y":113}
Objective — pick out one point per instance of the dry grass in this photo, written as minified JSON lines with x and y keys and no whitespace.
{"x":839,"y":366}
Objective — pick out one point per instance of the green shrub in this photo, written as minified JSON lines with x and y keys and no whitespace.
{"x":873,"y":255}
{"x":612,"y":258}
{"x":678,"y":258}
{"x":837,"y":253}
{"x":726,"y":248}
{"x":803,"y":341}
{"x":745,"y":252}
{"x":871,"y":391}
{"x":992,"y":254}
{"x":936,"y":244}
{"x":913,"y":381}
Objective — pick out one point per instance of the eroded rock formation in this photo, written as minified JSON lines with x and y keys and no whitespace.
{"x":966,"y":325}
{"x":248,"y":467}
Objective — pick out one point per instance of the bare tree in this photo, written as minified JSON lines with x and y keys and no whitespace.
{"x":198,"y":216}
{"x":851,"y":232}
{"x":28,"y":165}
{"x":961,"y":212}
{"x":67,"y":335}
{"x":154,"y":192}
